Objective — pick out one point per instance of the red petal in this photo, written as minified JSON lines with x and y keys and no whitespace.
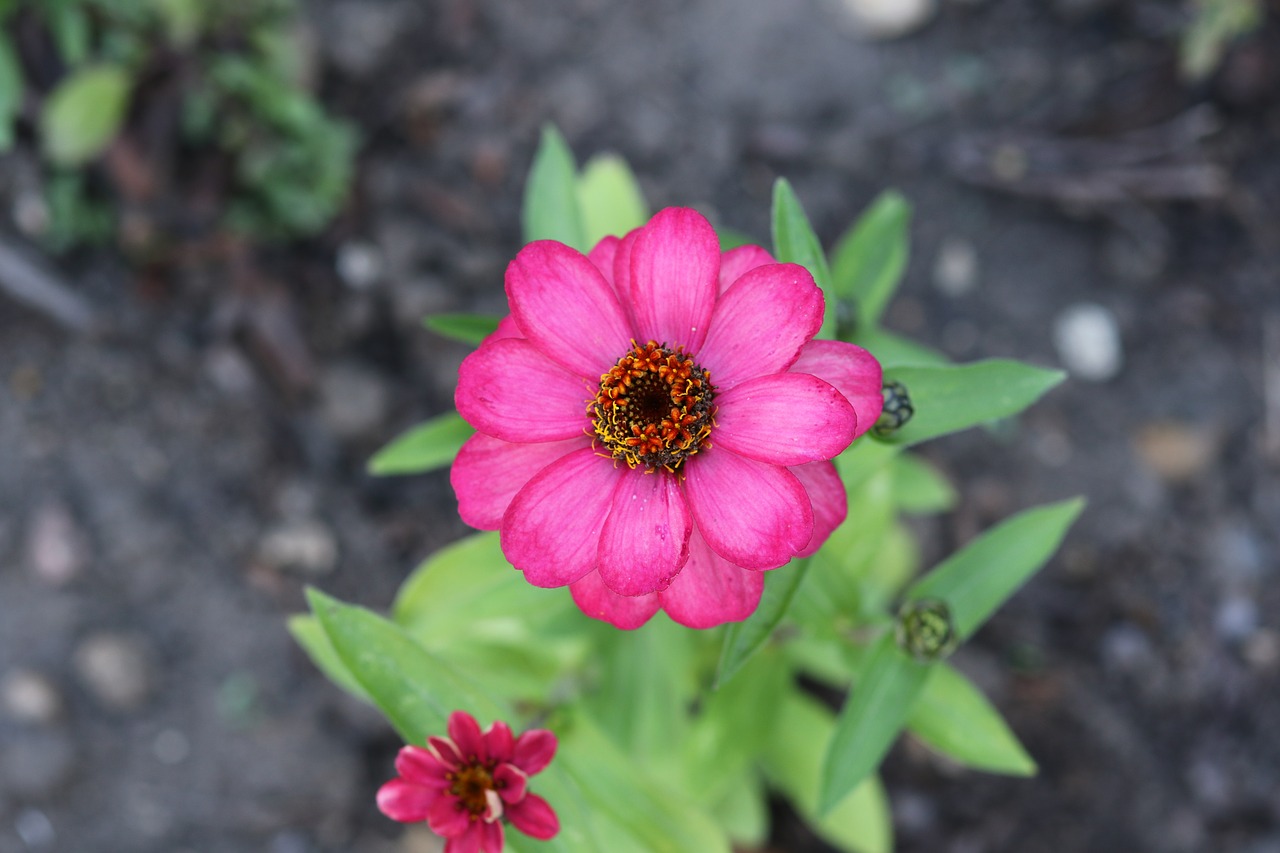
{"x":566,"y":308}
{"x":736,"y":263}
{"x":826,"y":496}
{"x":491,"y":837}
{"x":499,"y":741}
{"x":465,"y":732}
{"x":534,"y":817}
{"x":784,"y":419}
{"x":853,"y":371}
{"x":534,"y":750}
{"x":420,"y":767}
{"x":467,"y":841}
{"x":675,"y":272}
{"x":448,"y":818}
{"x":509,"y":390}
{"x":753,"y":514}
{"x":602,"y":255}
{"x":406,"y":802}
{"x":710,"y":590}
{"x":445,"y":750}
{"x":761,"y":323}
{"x":489,"y":472}
{"x":622,"y":611}
{"x":552,"y":529}
{"x":645,"y":539}
{"x":512,"y":782}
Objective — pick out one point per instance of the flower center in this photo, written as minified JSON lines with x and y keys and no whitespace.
{"x":654,"y":407}
{"x":470,"y":785}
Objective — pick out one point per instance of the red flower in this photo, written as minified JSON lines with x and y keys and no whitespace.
{"x":655,"y":422}
{"x":464,"y":785}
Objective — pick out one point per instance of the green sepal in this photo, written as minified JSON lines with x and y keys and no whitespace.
{"x":466,"y":328}
{"x":426,"y":447}
{"x":609,"y":198}
{"x":551,"y":210}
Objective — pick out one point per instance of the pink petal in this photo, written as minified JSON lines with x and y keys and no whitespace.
{"x":551,"y":530}
{"x":507,"y":328}
{"x":566,"y":308}
{"x":645,"y":539}
{"x":465,"y":732}
{"x":406,"y":802}
{"x":761,"y":323}
{"x":753,"y":514}
{"x":534,"y":750}
{"x":735,"y":263}
{"x":489,"y":471}
{"x":448,"y":818}
{"x":420,"y":767}
{"x":491,"y":837}
{"x":467,"y":841}
{"x":603,"y":254}
{"x":499,"y":741}
{"x":534,"y":817}
{"x":445,"y":750}
{"x":622,"y":273}
{"x":675,"y":272}
{"x":599,"y":602}
{"x":710,"y":590}
{"x":853,"y":371}
{"x":511,"y":391}
{"x":785,"y":419}
{"x":511,"y":782}
{"x":827,"y":496}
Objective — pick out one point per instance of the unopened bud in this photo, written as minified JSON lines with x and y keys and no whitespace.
{"x":925,"y":629}
{"x":896,"y":412}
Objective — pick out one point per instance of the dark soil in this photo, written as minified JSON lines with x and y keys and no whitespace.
{"x":175,"y":449}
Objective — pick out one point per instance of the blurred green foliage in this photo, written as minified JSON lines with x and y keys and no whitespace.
{"x":1213,"y":25}
{"x":239,"y":68}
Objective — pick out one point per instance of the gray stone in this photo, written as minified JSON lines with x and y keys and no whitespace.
{"x":1088,"y":341}
{"x":955,"y":270}
{"x":29,"y":697}
{"x":884,"y":19}
{"x":117,"y":669}
{"x":353,"y":400}
{"x":360,"y":265}
{"x":56,"y":549}
{"x":37,"y":764}
{"x":305,"y":546}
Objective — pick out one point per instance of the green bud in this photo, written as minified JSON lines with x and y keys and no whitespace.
{"x":925,"y":629}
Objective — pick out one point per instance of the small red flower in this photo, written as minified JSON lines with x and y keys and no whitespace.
{"x":464,"y":785}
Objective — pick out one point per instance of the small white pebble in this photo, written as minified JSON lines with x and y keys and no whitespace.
{"x":359,"y":265}
{"x":955,"y":270}
{"x":1088,"y":341}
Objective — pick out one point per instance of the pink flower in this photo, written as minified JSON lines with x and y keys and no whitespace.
{"x":655,"y":422}
{"x":464,"y":786}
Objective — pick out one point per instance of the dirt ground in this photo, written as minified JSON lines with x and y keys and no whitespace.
{"x":168,"y":484}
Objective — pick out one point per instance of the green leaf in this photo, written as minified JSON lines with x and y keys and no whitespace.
{"x":11,"y":84}
{"x":794,"y":242}
{"x":551,"y":209}
{"x":792,"y":757}
{"x":425,"y":447}
{"x":953,"y":717}
{"x":955,"y":397}
{"x":609,"y":198}
{"x":893,"y":350}
{"x":978,"y":578}
{"x":413,"y":688}
{"x":870,"y":720}
{"x":654,"y":816}
{"x":467,"y":328}
{"x":68,"y":22}
{"x":868,"y":261}
{"x":744,"y":639}
{"x":315,"y":642}
{"x":84,"y":114}
{"x":920,"y":488}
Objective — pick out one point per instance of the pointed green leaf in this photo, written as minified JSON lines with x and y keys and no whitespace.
{"x":11,"y":85}
{"x":467,"y":328}
{"x":413,"y":688}
{"x":68,"y":23}
{"x":953,"y":717}
{"x":871,"y":719}
{"x":792,"y":758}
{"x":894,"y":350}
{"x":307,"y":632}
{"x":425,"y":447}
{"x":616,"y":788}
{"x":744,"y":639}
{"x":868,"y":261}
{"x":955,"y":397}
{"x":609,"y":198}
{"x":84,"y":114}
{"x":920,"y":488}
{"x":978,"y":578}
{"x":551,"y":209}
{"x":795,"y":243}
